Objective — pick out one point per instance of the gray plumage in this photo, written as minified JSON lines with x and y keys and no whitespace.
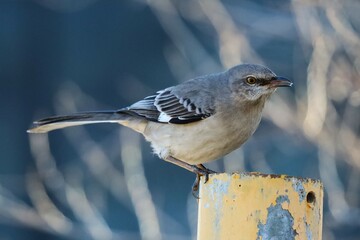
{"x":197,"y":121}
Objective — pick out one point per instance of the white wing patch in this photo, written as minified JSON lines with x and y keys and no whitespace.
{"x":163,"y":117}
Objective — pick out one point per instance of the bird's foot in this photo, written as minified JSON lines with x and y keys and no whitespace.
{"x":201,"y":170}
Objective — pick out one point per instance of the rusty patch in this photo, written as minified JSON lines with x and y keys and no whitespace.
{"x":286,"y":177}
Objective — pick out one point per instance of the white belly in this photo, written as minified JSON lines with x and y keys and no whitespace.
{"x":201,"y":141}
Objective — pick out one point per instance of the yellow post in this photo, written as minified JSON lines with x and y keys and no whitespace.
{"x":254,"y":206}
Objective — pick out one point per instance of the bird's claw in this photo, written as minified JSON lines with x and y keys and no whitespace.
{"x":201,"y":171}
{"x":195,"y":187}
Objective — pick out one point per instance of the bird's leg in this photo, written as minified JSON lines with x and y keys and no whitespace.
{"x":198,"y":169}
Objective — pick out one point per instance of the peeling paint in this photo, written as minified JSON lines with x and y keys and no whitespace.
{"x":219,"y":189}
{"x":279,"y":223}
{"x":308,"y":231}
{"x":299,"y":188}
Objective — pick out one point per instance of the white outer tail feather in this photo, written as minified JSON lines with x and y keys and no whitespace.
{"x":58,"y":125}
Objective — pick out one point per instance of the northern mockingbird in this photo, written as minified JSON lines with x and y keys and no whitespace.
{"x":195,"y":122}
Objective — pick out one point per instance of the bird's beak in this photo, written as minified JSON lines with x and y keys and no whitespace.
{"x":280,"y":82}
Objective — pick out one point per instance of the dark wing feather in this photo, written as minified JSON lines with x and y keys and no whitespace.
{"x":166,"y":107}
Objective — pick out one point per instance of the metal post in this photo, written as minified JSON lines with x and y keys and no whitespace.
{"x":260,"y":206}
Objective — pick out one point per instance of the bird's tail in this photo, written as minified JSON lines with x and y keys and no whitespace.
{"x":57,"y":122}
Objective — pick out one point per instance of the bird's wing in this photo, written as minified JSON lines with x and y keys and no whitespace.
{"x":175,"y":105}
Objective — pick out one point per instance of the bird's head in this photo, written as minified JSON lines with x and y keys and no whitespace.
{"x":250,"y":81}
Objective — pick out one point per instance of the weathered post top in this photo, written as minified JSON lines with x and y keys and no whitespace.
{"x":260,"y":207}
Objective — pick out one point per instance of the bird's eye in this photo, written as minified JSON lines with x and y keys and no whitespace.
{"x":251,"y":80}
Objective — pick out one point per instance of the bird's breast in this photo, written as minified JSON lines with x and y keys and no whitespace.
{"x":205,"y":140}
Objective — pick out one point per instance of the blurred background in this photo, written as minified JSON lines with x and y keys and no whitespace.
{"x":102,"y":181}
